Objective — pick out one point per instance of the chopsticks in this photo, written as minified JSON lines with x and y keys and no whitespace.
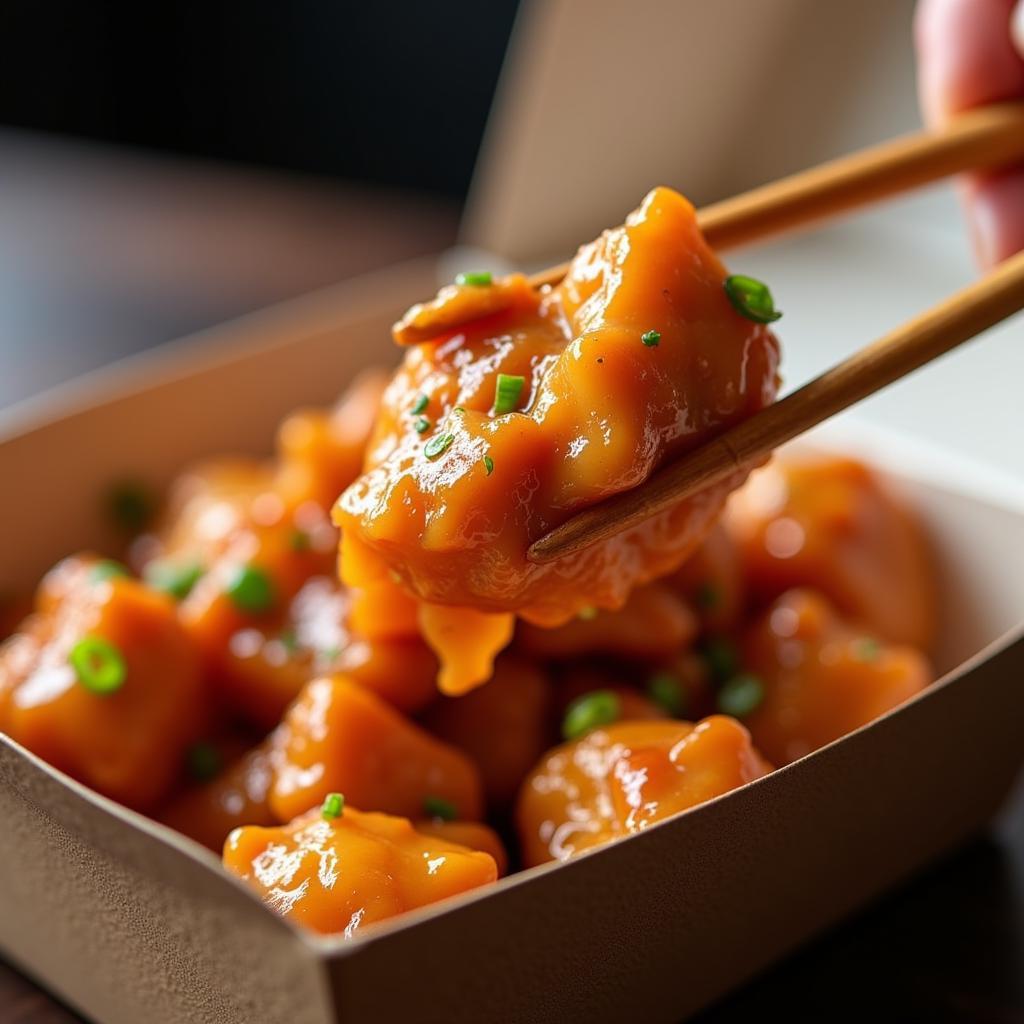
{"x":985,"y":138}
{"x":993,"y":139}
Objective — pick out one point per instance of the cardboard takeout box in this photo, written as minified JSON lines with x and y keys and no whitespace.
{"x":129,"y":922}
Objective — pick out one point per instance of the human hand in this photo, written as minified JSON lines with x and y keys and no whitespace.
{"x":969,"y":53}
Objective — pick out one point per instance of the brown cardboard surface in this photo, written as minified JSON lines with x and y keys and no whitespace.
{"x":572,"y":93}
{"x":655,"y":927}
{"x":129,"y":923}
{"x":127,"y":927}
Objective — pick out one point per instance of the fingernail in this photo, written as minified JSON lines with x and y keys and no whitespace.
{"x":984,"y":234}
{"x":979,"y":227}
{"x":996,"y":213}
{"x":1017,"y":26}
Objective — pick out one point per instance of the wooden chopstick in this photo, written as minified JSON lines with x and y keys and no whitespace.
{"x":955,"y":320}
{"x":980,"y":139}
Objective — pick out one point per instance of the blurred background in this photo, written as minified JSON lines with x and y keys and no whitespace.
{"x":162,"y":171}
{"x":165,"y":168}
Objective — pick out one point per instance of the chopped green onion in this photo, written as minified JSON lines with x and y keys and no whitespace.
{"x":600,"y":707}
{"x":488,"y":464}
{"x":651,"y":338}
{"x":421,"y":424}
{"x":289,"y":640}
{"x":131,"y":505}
{"x":587,"y":612}
{"x":459,"y":410}
{"x":438,"y":807}
{"x":250,"y":589}
{"x":666,"y":690}
{"x":721,"y":657}
{"x":330,"y":653}
{"x":333,"y":806}
{"x":203,"y":761}
{"x":176,"y":579}
{"x":98,"y":664}
{"x":708,"y":597}
{"x":298,"y":540}
{"x":751,"y":298}
{"x":741,"y":696}
{"x":475,"y":278}
{"x":420,"y":405}
{"x":506,"y":393}
{"x":107,"y":569}
{"x":438,"y":445}
{"x":867,"y":648}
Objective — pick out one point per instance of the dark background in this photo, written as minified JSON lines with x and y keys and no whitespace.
{"x":327,"y":88}
{"x":167,"y":167}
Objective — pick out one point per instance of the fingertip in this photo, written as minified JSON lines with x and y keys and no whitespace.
{"x":1017,"y":27}
{"x":965,"y":55}
{"x":928,"y":36}
{"x":996,"y":206}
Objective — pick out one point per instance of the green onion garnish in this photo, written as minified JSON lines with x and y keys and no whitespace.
{"x":475,"y":278}
{"x":587,"y":612}
{"x":333,"y":806}
{"x":107,"y":569}
{"x":289,"y":640}
{"x":708,"y":597}
{"x":329,"y":654}
{"x":751,"y":298}
{"x":438,"y":445}
{"x":298,"y":540}
{"x":741,"y":696}
{"x":459,"y":410}
{"x":506,"y":393}
{"x":600,"y":707}
{"x":250,"y":589}
{"x":421,"y":424}
{"x":131,"y":505}
{"x":867,"y":648}
{"x":666,"y":690}
{"x":721,"y":657}
{"x":98,"y":664}
{"x":651,"y":338}
{"x":438,"y":807}
{"x":420,"y":405}
{"x":174,"y":578}
{"x":203,"y":761}
{"x":488,"y":464}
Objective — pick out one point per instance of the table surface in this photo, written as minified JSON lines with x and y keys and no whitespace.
{"x":105,"y":253}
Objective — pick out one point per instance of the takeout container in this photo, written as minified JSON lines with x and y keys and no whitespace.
{"x":128,"y":921}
